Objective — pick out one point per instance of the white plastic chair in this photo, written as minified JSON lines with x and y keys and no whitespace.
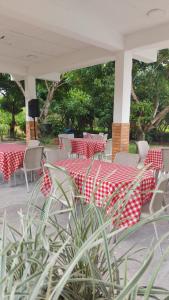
{"x":127,"y":159}
{"x":143,"y":148}
{"x":63,"y":188}
{"x":84,"y":135}
{"x":165,"y":156}
{"x":159,"y":200}
{"x":53,"y":155}
{"x":107,"y":154}
{"x":33,"y":143}
{"x":32,"y":161}
{"x":65,"y":135}
{"x":67,"y":146}
{"x":105,"y":137}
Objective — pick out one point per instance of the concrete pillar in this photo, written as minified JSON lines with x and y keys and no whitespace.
{"x":30,"y":93}
{"x":122,"y":98}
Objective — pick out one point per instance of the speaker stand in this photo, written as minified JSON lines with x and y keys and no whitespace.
{"x":34,"y":127}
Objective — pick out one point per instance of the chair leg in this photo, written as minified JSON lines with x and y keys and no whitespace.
{"x":26,"y":179}
{"x":157,"y":238}
{"x":14,"y":178}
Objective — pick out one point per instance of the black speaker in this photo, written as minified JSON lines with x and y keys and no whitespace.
{"x":33,"y":108}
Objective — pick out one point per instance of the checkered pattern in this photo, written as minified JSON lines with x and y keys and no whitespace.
{"x":111,"y":179}
{"x":11,"y":159}
{"x":154,"y":157}
{"x":87,"y":147}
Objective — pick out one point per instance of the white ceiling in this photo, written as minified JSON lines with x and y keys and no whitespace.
{"x":43,"y":36}
{"x":27,"y":43}
{"x":126,"y":16}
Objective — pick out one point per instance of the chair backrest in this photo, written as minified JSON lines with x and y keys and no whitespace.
{"x":127,"y":159}
{"x":53,"y":155}
{"x":160,"y":197}
{"x":64,"y":136}
{"x":108,"y":147}
{"x":165,"y":156}
{"x":67,"y":145}
{"x":105,"y":136}
{"x":85,"y":135}
{"x":33,"y":158}
{"x":93,"y":136}
{"x":33,"y":143}
{"x":70,"y":136}
{"x":63,"y":188}
{"x":143,"y":148}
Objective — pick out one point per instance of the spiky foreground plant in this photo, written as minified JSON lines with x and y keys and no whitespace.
{"x":75,"y":261}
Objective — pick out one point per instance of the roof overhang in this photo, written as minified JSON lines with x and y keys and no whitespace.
{"x":44,"y":38}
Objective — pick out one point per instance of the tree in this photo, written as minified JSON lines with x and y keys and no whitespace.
{"x":12,"y":100}
{"x":46,"y":91}
{"x":150,"y":94}
{"x":97,"y":83}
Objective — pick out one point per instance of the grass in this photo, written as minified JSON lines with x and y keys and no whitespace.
{"x":132,"y":148}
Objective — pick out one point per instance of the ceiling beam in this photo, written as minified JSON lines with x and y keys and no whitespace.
{"x":155,"y":37}
{"x":147,"y":55}
{"x":11,"y":68}
{"x":51,"y":77}
{"x":76,"y":60}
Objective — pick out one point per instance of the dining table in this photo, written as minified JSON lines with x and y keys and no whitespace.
{"x":154,"y":158}
{"x":112,"y":180}
{"x":11,"y":158}
{"x":87,"y":147}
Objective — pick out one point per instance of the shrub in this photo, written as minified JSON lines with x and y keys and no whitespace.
{"x":4,"y":130}
{"x":21,"y":120}
{"x":52,"y":127}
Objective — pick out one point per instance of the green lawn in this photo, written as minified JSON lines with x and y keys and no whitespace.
{"x":132,"y":148}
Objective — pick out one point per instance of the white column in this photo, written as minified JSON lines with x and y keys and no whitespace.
{"x":122,"y":93}
{"x":30,"y":93}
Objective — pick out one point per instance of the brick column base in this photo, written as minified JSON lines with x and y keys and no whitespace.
{"x":30,"y":135}
{"x":120,"y":137}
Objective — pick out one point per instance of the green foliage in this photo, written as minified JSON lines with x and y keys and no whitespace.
{"x":12,"y":100}
{"x":150,"y":81}
{"x":21,"y":120}
{"x":4,"y":129}
{"x":86,"y":100}
{"x":53,"y":127}
{"x":46,"y":140}
{"x":78,"y":105}
{"x":5,"y":117}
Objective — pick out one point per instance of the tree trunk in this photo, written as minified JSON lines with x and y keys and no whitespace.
{"x":140,"y":132}
{"x":12,"y":127}
{"x":51,"y":90}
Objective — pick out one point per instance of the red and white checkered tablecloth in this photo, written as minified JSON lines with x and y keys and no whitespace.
{"x":87,"y":147}
{"x":154,"y":157}
{"x":11,"y":158}
{"x":112,"y":178}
